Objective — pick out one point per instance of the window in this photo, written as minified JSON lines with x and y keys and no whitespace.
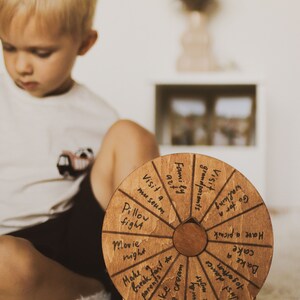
{"x":215,"y":115}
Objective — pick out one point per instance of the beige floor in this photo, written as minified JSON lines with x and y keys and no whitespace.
{"x":283,"y":281}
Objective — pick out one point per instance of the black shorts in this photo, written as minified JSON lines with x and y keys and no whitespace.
{"x":74,"y":238}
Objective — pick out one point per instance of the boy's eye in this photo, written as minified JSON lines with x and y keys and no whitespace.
{"x":42,"y":53}
{"x":8,"y":48}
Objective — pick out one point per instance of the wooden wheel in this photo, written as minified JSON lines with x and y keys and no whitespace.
{"x":185,"y":227}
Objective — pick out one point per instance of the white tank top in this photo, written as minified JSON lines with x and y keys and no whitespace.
{"x":34,"y":132}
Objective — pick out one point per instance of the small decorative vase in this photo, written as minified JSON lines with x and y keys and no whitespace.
{"x":197,"y":54}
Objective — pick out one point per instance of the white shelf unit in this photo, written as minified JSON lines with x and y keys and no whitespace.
{"x":249,"y":160}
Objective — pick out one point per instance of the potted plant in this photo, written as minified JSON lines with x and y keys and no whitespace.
{"x":197,"y":54}
{"x":198,"y":5}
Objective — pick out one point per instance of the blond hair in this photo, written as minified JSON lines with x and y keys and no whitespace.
{"x":70,"y":16}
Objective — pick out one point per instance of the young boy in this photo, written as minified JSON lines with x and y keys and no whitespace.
{"x":52,"y":198}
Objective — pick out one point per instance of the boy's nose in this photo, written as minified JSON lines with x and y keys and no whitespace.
{"x":23,"y":65}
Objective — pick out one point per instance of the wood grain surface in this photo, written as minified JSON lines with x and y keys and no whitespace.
{"x":187,"y":227}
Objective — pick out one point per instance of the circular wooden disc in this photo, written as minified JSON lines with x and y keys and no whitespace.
{"x":187,"y":227}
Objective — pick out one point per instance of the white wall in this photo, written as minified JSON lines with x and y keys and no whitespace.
{"x":139,"y":41}
{"x":265,"y":35}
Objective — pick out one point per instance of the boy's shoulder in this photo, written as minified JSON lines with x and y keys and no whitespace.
{"x":89,"y":100}
{"x":80,"y":100}
{"x":3,"y":81}
{"x":6,"y":89}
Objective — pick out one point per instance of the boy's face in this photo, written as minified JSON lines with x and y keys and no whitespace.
{"x":39,"y":62}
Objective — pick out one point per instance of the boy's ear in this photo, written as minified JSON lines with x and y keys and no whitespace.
{"x":88,"y":42}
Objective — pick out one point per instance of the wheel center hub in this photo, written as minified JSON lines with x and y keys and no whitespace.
{"x":190,"y":239}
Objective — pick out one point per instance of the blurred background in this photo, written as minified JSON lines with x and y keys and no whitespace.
{"x":139,"y":46}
